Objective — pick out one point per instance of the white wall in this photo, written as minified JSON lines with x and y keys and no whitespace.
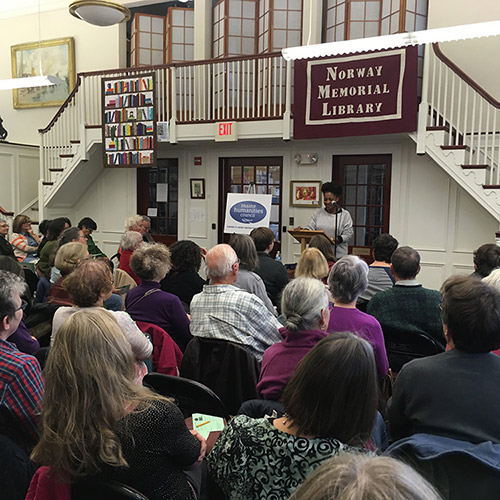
{"x":95,"y":49}
{"x":479,"y":57}
{"x":19,"y":175}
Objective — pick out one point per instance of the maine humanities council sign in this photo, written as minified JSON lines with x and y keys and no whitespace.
{"x":362,"y":94}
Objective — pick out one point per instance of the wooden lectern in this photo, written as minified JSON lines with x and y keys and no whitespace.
{"x":304,"y":236}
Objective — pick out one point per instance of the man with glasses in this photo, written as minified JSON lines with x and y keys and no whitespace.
{"x":225,"y":312}
{"x":5,"y":246}
{"x":21,"y":384}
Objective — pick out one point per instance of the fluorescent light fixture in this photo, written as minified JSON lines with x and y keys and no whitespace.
{"x":29,"y":81}
{"x":99,"y":12}
{"x":436,"y":35}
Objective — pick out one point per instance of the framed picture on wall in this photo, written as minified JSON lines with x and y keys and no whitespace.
{"x":48,"y":57}
{"x":305,"y":194}
{"x":197,"y":189}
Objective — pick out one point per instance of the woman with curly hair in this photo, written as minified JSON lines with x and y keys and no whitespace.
{"x":183,"y":279}
{"x":148,"y":302}
{"x":97,"y":421}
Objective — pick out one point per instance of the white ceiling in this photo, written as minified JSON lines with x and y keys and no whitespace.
{"x":12,"y":8}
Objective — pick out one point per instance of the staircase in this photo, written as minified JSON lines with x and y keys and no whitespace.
{"x":458,"y":128}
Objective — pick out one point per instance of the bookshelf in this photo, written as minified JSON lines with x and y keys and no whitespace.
{"x":129,"y":121}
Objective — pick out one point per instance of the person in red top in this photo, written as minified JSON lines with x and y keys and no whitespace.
{"x":21,"y":384}
{"x":129,"y":242}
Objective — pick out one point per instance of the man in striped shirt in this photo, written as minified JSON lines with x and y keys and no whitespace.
{"x":21,"y":384}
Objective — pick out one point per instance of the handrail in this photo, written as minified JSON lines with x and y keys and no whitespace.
{"x":4,"y":212}
{"x":467,"y":79}
{"x":62,"y":108}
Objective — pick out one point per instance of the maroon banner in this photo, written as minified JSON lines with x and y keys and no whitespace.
{"x":360,"y":94}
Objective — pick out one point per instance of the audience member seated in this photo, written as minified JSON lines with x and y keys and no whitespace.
{"x":98,"y":421}
{"x":183,"y":279}
{"x":359,"y":477}
{"x":408,"y":306}
{"x":88,"y":226}
{"x":24,"y":240}
{"x":347,"y":280}
{"x":21,"y":337}
{"x":455,"y":394}
{"x":70,"y":235}
{"x":130,"y":241}
{"x":273,"y":272}
{"x":486,"y":258}
{"x":89,"y":285}
{"x":305,"y":314}
{"x":223,"y":311}
{"x":135,"y":223}
{"x":330,"y":404}
{"x":247,"y":280}
{"x":379,"y":273}
{"x":5,"y":247}
{"x":326,"y":247}
{"x":21,"y":380}
{"x":67,"y":259}
{"x":47,"y":247}
{"x":312,"y":264}
{"x":146,"y":224}
{"x":148,"y":302}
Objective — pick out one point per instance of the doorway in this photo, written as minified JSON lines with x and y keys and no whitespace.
{"x":367,"y":193}
{"x":242,"y":175}
{"x":157,"y":196}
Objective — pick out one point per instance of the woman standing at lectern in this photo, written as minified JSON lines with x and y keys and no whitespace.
{"x":335,"y":221}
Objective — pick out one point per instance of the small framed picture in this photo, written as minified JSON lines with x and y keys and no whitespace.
{"x":305,"y":194}
{"x":197,"y":189}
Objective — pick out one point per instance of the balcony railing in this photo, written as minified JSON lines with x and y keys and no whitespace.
{"x":240,"y":88}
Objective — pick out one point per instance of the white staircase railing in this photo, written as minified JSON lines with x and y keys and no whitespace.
{"x":250,"y":88}
{"x":469,"y":117}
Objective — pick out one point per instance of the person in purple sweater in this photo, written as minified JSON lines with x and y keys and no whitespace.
{"x":348,"y":279}
{"x":304,"y":306}
{"x":148,"y":303}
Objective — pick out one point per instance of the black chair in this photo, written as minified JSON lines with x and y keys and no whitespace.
{"x":191,"y":397}
{"x":403,"y":346}
{"x":226,"y":367}
{"x":98,"y":489}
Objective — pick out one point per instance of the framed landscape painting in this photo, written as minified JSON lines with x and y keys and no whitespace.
{"x":49,"y":57}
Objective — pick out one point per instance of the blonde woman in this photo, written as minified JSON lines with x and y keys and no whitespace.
{"x":97,"y":421}
{"x":67,"y":258}
{"x":312,"y":264}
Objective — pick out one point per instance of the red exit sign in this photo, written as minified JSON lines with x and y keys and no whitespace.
{"x":226,"y":131}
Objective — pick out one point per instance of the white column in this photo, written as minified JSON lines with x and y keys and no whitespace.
{"x":203,"y":29}
{"x":312,"y":17}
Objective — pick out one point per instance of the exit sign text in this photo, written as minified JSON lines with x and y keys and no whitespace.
{"x":225,"y":131}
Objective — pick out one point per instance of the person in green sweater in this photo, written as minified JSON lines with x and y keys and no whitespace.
{"x":88,"y":225}
{"x":47,"y":246}
{"x":408,"y":306}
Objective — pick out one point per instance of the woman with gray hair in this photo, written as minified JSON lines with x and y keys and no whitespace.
{"x":5,"y":247}
{"x":348,"y":279}
{"x":305,"y":313}
{"x":130,"y":241}
{"x":148,"y":302}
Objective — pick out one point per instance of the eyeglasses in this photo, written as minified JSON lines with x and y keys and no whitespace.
{"x":23,"y":305}
{"x":4,"y":225}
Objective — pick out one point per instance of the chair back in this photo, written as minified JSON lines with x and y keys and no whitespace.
{"x":403,"y":346}
{"x":167,"y":355}
{"x":98,"y":489}
{"x":227,"y":368}
{"x":190,"y":396}
{"x":459,"y":470}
